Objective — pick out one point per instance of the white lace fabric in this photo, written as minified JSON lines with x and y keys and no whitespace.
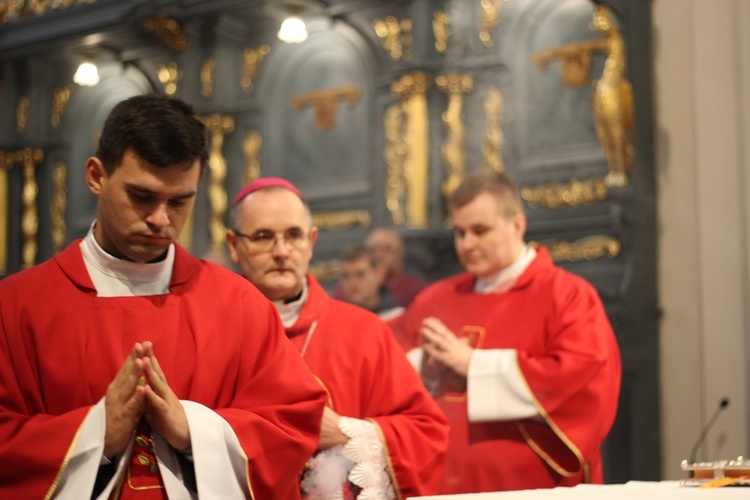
{"x":366,"y":450}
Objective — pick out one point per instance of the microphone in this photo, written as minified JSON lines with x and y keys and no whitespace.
{"x":722,"y":406}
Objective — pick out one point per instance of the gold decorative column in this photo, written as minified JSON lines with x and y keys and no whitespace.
{"x":218,"y":126}
{"x":492,"y":147}
{"x":412,"y":90}
{"x":396,"y":151}
{"x":22,"y":115}
{"x":207,"y":77}
{"x":29,"y":159}
{"x":59,"y":205}
{"x":454,"y":156}
{"x":6,"y":163}
{"x":251,"y":146}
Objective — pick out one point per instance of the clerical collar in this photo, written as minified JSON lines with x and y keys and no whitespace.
{"x":289,"y":311}
{"x":113,"y":277}
{"x":507,"y":277}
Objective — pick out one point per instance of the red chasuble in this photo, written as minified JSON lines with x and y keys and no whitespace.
{"x":367,"y":376}
{"x":219,"y":342}
{"x":568,"y":355}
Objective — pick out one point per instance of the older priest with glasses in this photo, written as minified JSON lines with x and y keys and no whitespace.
{"x":382,"y":434}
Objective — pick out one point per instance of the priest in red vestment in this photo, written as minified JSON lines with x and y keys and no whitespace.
{"x":130,"y":369}
{"x":518,"y":352}
{"x":383,"y":436}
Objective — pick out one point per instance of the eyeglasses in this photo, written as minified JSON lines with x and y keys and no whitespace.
{"x":264,"y":241}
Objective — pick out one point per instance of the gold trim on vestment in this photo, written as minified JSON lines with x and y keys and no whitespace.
{"x":559,"y":433}
{"x":66,"y":460}
{"x":329,"y":401}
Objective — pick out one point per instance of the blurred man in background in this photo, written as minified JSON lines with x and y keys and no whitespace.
{"x":360,"y":283}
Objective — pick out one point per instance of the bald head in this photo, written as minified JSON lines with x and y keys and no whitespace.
{"x":387,"y":248}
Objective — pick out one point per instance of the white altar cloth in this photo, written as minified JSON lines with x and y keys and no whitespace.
{"x":632,"y":490}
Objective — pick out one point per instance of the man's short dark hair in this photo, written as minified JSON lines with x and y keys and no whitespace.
{"x":161,"y":130}
{"x":486,"y":180}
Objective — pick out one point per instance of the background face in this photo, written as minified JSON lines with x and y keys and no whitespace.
{"x":386,"y":250}
{"x":359,"y":282}
{"x":278,"y":273}
{"x":141,"y":208}
{"x":486,"y":241}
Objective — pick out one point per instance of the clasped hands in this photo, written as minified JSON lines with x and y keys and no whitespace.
{"x":443,"y":349}
{"x":128,"y":400}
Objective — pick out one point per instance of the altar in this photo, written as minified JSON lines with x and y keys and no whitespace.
{"x":640,"y":490}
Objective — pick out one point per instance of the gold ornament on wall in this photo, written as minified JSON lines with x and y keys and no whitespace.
{"x":395,"y":153}
{"x":573,"y":194}
{"x":575,"y":60}
{"x":17,"y":9}
{"x":253,"y":58}
{"x":207,"y":77}
{"x":454,"y":156}
{"x":489,"y":17}
{"x":251,"y":146}
{"x":29,"y":159}
{"x":492,"y":146}
{"x":218,"y":126}
{"x":441,"y":30}
{"x":169,"y":74}
{"x":22,"y":115}
{"x":7,"y":160}
{"x":59,"y":102}
{"x":327,"y":270}
{"x":168,"y":31}
{"x":343,"y":219}
{"x":411,"y":90}
{"x":588,"y":248}
{"x":395,"y":36}
{"x":612,"y":102}
{"x":59,"y":206}
{"x":324,"y":104}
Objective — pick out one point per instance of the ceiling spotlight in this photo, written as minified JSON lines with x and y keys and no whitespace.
{"x":87,"y":74}
{"x":293,"y":29}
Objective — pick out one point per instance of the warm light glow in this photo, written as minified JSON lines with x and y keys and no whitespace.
{"x":87,"y":74}
{"x":293,"y":30}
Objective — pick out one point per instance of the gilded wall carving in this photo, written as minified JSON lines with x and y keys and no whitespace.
{"x":251,"y":147}
{"x":613,"y":102}
{"x":573,"y":194}
{"x":411,"y":89}
{"x":59,"y":102}
{"x":494,"y":139}
{"x":588,"y":248}
{"x":11,"y":10}
{"x":59,"y":206}
{"x":343,"y":219}
{"x":395,"y":36}
{"x":454,"y":156}
{"x":324,"y":104}
{"x":218,"y":126}
{"x":169,"y":74}
{"x":253,"y":57}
